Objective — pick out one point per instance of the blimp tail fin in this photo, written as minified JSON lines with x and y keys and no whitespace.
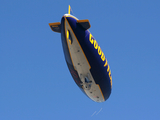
{"x":69,"y":9}
{"x":84,"y":24}
{"x":56,"y":27}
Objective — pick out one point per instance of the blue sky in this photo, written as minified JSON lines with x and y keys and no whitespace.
{"x":35,"y":83}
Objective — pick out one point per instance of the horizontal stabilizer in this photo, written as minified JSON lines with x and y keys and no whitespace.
{"x":56,"y":27}
{"x":84,"y":24}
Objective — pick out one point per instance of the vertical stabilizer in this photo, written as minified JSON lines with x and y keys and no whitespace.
{"x":69,"y":9}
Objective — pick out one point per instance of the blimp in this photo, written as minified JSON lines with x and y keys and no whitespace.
{"x":84,"y":57}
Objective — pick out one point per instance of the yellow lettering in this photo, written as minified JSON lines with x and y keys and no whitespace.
{"x":99,"y":50}
{"x":103,"y":57}
{"x":95,"y":44}
{"x":90,"y":38}
{"x":109,"y":74}
{"x":106,"y":63}
{"x":108,"y":68}
{"x":110,"y":78}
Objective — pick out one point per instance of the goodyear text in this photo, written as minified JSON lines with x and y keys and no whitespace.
{"x":101,"y":54}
